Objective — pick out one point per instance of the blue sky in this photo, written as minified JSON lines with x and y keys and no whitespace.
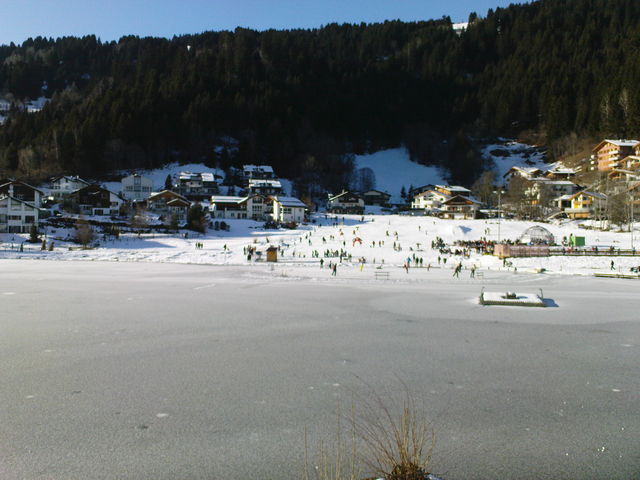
{"x":110,"y":19}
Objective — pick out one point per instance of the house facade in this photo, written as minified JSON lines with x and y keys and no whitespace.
{"x":61,"y":187}
{"x":346,"y":202}
{"x":608,"y":153}
{"x":136,"y":188}
{"x":288,"y":210}
{"x":196,"y":186}
{"x":257,"y":172}
{"x":586,"y":204}
{"x":264,"y":186}
{"x":97,"y":201}
{"x":376,"y":197}
{"x":17,"y":216}
{"x":459,"y":207}
{"x":21,"y":191}
{"x":429,"y":200}
{"x":168,"y":205}
{"x":253,"y":207}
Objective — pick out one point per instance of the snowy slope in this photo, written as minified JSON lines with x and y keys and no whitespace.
{"x":506,"y":154}
{"x":393,"y":170}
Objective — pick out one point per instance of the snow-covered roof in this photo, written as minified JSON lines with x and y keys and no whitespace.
{"x":204,"y":176}
{"x":453,"y":188}
{"x":227,"y":199}
{"x":618,"y":143}
{"x":258,"y":182}
{"x":548,"y":181}
{"x":290,"y":202}
{"x":623,"y":143}
{"x":257,"y":168}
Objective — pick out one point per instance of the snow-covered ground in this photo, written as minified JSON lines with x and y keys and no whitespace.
{"x":411,"y":237}
{"x":393,"y":170}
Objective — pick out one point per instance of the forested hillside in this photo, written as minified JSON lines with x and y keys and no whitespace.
{"x":301,"y":99}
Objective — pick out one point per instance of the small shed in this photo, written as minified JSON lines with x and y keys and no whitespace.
{"x":272,"y":254}
{"x":537,"y":235}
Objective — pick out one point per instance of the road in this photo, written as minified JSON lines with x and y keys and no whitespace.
{"x":178,"y":372}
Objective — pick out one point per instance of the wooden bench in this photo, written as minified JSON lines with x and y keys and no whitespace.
{"x":379,"y":275}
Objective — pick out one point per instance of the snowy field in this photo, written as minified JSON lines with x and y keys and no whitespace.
{"x":413,"y":239}
{"x":149,"y":371}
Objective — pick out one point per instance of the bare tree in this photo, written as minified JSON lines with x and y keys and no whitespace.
{"x":84,"y":232}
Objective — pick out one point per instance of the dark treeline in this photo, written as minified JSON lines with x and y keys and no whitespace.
{"x":301,"y":99}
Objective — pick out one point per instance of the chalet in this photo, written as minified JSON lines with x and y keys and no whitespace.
{"x":257,"y":172}
{"x":288,"y":210}
{"x":196,"y":186}
{"x":586,"y":204}
{"x":169,"y":205}
{"x":255,"y":207}
{"x":416,"y":190}
{"x":17,"y":216}
{"x":608,"y":153}
{"x":526,"y":173}
{"x":136,"y":187}
{"x":459,"y":207}
{"x":21,"y":191}
{"x":376,"y":197}
{"x":97,"y":201}
{"x":63,"y":186}
{"x":345,"y":202}
{"x":559,"y":173}
{"x":429,"y":200}
{"x":265,"y":186}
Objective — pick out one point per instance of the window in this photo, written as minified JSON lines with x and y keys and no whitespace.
{"x":29,"y":219}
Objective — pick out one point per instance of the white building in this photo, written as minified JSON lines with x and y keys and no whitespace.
{"x":288,"y":209}
{"x":429,"y":200}
{"x":17,"y":216}
{"x":63,"y":186}
{"x":254,"y":207}
{"x":136,"y":187}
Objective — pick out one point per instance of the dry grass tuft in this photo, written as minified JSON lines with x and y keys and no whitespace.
{"x":391,"y":442}
{"x":398,"y":442}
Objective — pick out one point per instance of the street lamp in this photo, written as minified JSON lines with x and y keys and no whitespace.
{"x":499,"y":192}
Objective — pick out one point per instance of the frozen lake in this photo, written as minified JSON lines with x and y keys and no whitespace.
{"x":155,"y":371}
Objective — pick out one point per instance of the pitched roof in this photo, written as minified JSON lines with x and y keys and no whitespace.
{"x":346,"y":192}
{"x":2,"y":197}
{"x":167,"y":192}
{"x":227,"y":199}
{"x":21,"y":183}
{"x":619,"y":143}
{"x":290,"y":202}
